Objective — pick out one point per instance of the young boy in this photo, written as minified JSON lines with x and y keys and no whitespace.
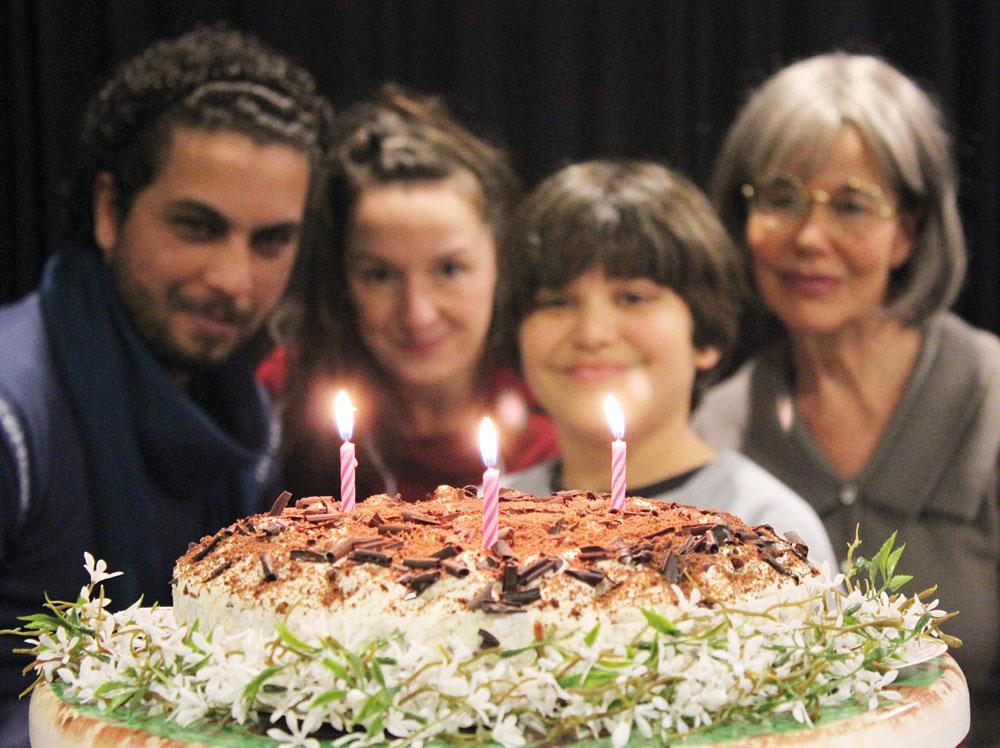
{"x":627,"y":284}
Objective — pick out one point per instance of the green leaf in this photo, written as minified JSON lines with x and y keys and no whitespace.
{"x":591,"y":636}
{"x":327,"y":697}
{"x":922,"y":622}
{"x":377,"y":703}
{"x":893,"y":560}
{"x":660,"y":623}
{"x":898,"y":581}
{"x":110,"y":686}
{"x":337,"y":669}
{"x":293,"y":642}
{"x":250,"y":692}
{"x":356,"y":665}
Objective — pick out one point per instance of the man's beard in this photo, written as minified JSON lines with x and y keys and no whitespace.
{"x":175,"y":357}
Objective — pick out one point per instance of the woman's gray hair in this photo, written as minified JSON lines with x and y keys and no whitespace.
{"x":793,"y":117}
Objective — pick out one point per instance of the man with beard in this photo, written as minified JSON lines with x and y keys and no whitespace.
{"x":130,"y":422}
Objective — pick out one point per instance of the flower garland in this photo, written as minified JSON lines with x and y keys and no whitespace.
{"x":823,"y":644}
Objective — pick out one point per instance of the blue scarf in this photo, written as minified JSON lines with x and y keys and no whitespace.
{"x":153,"y":449}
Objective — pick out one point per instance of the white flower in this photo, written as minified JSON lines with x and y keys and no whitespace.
{"x":296,"y":737}
{"x":620,"y":735}
{"x":98,"y":573}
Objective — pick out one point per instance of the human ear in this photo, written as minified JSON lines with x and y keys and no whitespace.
{"x":707,"y":357}
{"x":106,"y":219}
{"x":902,"y":245}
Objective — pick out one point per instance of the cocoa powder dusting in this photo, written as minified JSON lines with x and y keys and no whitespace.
{"x":422,"y":534}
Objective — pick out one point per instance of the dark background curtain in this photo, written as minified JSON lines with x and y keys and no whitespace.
{"x":553,"y":81}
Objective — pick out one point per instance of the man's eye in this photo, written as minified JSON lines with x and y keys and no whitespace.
{"x":274,"y":241}
{"x":195,"y":229}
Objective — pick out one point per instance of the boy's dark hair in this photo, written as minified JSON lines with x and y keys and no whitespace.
{"x":213,"y":78}
{"x":633,"y":219}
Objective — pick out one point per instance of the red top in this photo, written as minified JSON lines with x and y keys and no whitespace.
{"x":414,"y":467}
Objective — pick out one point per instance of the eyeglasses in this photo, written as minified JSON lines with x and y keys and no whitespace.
{"x":855,"y":208}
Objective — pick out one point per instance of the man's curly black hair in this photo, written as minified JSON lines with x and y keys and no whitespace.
{"x":214,"y":78}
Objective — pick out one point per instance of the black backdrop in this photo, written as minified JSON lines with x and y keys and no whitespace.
{"x":553,"y":81}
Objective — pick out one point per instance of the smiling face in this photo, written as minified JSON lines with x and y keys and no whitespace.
{"x":812,"y":275}
{"x":422,"y":269}
{"x":206,"y":248}
{"x":630,"y":337}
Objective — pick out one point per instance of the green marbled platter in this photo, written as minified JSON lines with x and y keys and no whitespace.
{"x":233,"y":736}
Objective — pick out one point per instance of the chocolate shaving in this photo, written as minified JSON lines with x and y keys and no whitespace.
{"x":391,"y":529}
{"x":699,"y":529}
{"x":272,"y":527}
{"x":671,"y":569}
{"x":455,"y":569}
{"x":535,"y":570}
{"x":501,"y":549}
{"x":370,"y":557}
{"x":484,"y":596}
{"x":376,"y":520}
{"x":722,"y":534}
{"x":641,"y":555}
{"x":658,"y":533}
{"x":707,"y":544}
{"x":521,"y":597}
{"x":218,"y":570}
{"x":776,"y":564}
{"x":420,"y":582}
{"x":558,"y":526}
{"x":280,"y":503}
{"x":594,"y":553}
{"x":468,"y":492}
{"x":509,"y":578}
{"x":341,"y":548}
{"x":323,"y":517}
{"x":593,"y":577}
{"x":487,"y":640}
{"x":500,"y":608}
{"x":307,"y":501}
{"x":798,"y":544}
{"x":268,"y":566}
{"x":420,"y":519}
{"x":304,"y":555}
{"x":746,"y":535}
{"x":207,"y":549}
{"x":245,"y":527}
{"x":449,"y":551}
{"x":422,"y":563}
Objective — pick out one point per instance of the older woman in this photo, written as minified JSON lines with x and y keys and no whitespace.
{"x":872,"y":401}
{"x":400,"y":313}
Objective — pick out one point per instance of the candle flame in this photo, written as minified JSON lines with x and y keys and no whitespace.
{"x":616,"y":419}
{"x":488,"y":443}
{"x":344,"y":412}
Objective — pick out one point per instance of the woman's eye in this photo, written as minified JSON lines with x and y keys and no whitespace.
{"x":373,"y":276}
{"x":450,"y":268}
{"x":852,"y":205}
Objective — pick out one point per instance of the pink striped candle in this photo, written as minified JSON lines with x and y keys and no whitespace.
{"x":348,"y":461}
{"x":491,"y":483}
{"x":616,"y":420}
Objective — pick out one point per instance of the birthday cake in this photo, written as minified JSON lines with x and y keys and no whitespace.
{"x":392,"y":624}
